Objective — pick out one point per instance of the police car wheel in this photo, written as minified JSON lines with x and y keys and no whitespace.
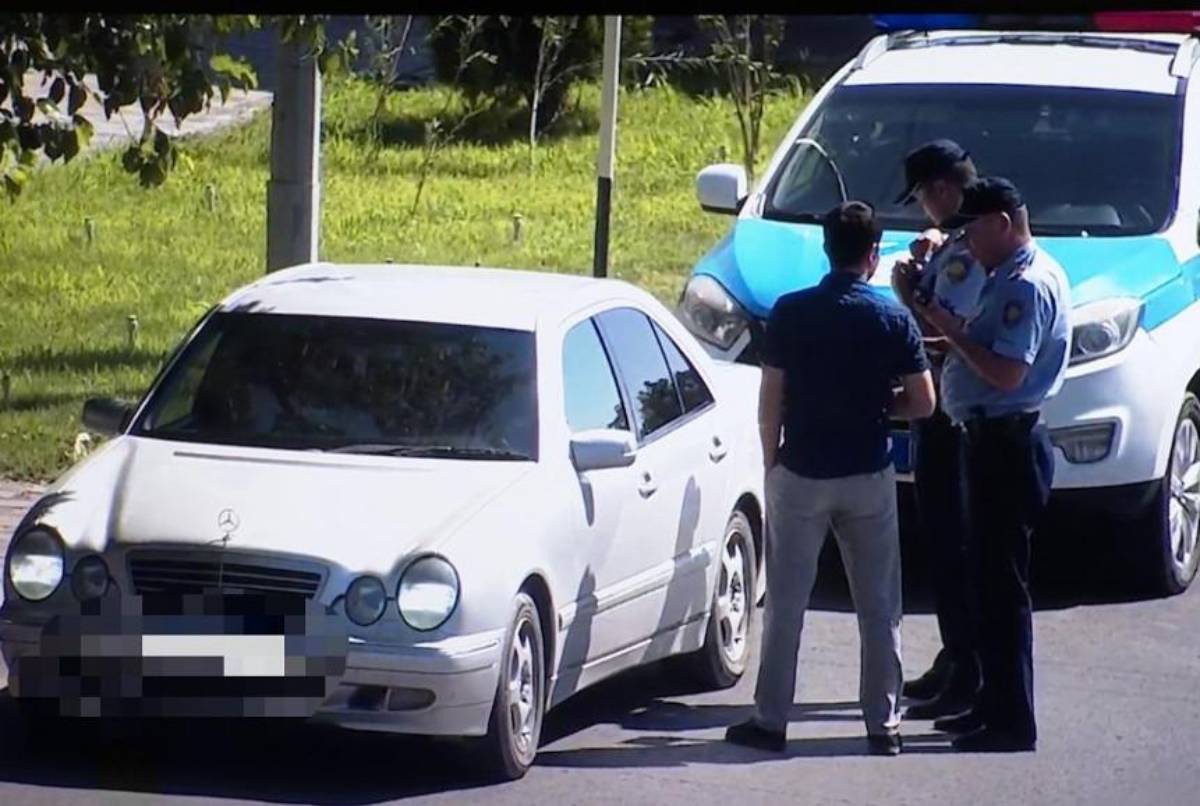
{"x":725,"y":655}
{"x":1177,"y":512}
{"x":515,"y":726}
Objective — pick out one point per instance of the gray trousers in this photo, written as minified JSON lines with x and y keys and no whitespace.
{"x":862,"y":513}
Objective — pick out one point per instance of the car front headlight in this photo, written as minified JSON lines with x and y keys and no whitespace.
{"x":428,"y":593}
{"x":35,"y":565}
{"x":366,"y":599}
{"x":89,"y":578}
{"x":1103,"y":328}
{"x":710,"y":313}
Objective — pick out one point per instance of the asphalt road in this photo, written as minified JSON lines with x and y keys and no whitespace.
{"x":1117,"y":685}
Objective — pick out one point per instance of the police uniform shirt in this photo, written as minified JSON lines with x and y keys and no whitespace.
{"x":954,"y":276}
{"x":1022,"y":315}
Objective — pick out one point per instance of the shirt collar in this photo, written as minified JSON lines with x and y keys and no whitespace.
{"x":842,"y":279}
{"x":1015,"y":263}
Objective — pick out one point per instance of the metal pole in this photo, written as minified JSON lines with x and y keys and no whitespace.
{"x":608,"y":141}
{"x":294,"y":190}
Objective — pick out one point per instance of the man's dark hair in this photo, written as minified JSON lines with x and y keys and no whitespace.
{"x":851,"y":231}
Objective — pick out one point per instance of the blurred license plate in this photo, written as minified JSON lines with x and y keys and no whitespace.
{"x":902,"y":451}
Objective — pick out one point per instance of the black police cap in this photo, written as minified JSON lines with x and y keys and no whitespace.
{"x":990,"y":194}
{"x":933,"y":160}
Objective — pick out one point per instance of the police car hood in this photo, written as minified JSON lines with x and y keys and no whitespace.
{"x":759,"y":261}
{"x":360,"y":512}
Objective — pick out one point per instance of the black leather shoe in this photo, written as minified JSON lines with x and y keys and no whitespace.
{"x":887,"y":744}
{"x":966,"y":722}
{"x":988,"y":740}
{"x":751,"y":734}
{"x":927,"y":686}
{"x":950,"y":702}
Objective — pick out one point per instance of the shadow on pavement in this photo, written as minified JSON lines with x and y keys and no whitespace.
{"x":676,"y":751}
{"x":272,"y":761}
{"x":282,"y":762}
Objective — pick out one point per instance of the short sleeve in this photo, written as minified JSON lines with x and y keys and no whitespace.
{"x":909,"y":351}
{"x":774,"y":348}
{"x":1023,"y":317}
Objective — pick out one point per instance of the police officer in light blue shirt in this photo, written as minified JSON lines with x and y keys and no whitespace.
{"x":1004,"y":363}
{"x":935,"y":175}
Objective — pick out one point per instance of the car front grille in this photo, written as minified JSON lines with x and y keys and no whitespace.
{"x":163,"y":573}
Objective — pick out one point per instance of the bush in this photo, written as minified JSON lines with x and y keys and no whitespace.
{"x":512,"y":43}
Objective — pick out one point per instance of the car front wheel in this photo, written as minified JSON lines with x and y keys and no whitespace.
{"x":515,"y":726}
{"x":1173,"y":553}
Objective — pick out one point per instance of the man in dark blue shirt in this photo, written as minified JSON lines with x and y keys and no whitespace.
{"x":834,"y":356}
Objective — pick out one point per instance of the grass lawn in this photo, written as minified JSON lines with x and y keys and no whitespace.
{"x":162,"y":256}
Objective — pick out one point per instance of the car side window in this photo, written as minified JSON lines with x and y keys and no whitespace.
{"x":640,"y":361}
{"x":589,"y":387}
{"x":692,"y":388}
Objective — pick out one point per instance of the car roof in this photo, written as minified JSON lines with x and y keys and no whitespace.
{"x":1118,"y":61}
{"x":491,"y":297}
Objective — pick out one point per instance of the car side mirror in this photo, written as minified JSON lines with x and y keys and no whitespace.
{"x":106,"y":415}
{"x":722,"y":188}
{"x":601,"y":449}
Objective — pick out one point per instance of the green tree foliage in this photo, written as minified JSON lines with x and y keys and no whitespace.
{"x":162,"y":62}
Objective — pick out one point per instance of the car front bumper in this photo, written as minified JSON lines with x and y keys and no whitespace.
{"x":441,"y":687}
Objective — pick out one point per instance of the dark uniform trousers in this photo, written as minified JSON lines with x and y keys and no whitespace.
{"x":941,"y":508}
{"x":1009,"y":469}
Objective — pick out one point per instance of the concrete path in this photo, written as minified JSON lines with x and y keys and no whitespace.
{"x":126,"y":124}
{"x":15,"y":498}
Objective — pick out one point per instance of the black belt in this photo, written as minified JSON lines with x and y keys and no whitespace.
{"x":1021,"y":421}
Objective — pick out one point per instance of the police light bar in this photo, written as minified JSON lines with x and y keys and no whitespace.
{"x":927,"y":22}
{"x":1148,"y":21}
{"x":1109,"y":21}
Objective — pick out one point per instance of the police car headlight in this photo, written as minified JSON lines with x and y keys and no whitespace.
{"x":428,"y":593}
{"x":1103,"y":328}
{"x":710,"y":313}
{"x":35,"y":564}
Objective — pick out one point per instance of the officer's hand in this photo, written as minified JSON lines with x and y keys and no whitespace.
{"x":904,"y":275}
{"x":937,"y":316}
{"x":926,"y":243}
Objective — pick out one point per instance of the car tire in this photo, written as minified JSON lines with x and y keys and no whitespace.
{"x":515,"y":725}
{"x":723,"y":659}
{"x":1170,"y":556}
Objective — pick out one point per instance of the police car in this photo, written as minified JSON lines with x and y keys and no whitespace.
{"x":1101,"y":132}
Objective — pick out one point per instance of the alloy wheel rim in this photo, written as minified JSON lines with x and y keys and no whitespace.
{"x":1184,"y":505}
{"x":733,"y":599}
{"x":524,"y":689}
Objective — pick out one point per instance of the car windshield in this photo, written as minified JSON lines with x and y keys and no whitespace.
{"x":351,"y":385}
{"x":1088,"y":162}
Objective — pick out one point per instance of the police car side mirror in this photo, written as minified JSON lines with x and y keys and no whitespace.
{"x":722,"y":188}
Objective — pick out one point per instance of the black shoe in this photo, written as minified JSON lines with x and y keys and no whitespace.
{"x":886,"y":744}
{"x":751,"y":734}
{"x":952,"y":700}
{"x":988,"y":740}
{"x":966,"y":722}
{"x":927,"y":686}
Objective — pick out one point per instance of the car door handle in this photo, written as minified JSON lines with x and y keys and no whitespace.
{"x":648,"y":486}
{"x":718,"y":450}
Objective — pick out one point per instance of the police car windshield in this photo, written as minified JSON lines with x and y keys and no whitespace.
{"x":1088,"y":161}
{"x":351,"y":385}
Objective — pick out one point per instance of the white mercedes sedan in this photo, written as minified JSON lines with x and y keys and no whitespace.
{"x":415,"y":499}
